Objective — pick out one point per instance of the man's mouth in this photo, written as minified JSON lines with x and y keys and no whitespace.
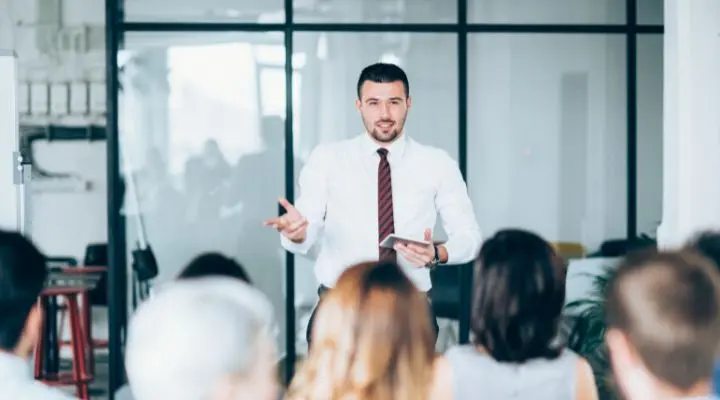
{"x":385,"y":125}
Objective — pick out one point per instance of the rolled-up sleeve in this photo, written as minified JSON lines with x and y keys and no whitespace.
{"x":312,"y":200}
{"x":457,"y":214}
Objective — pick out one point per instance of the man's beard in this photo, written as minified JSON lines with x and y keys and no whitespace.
{"x":386,"y":137}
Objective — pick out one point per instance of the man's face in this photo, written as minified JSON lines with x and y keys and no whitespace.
{"x":383,"y":108}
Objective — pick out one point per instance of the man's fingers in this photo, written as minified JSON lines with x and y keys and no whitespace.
{"x":428,"y":235}
{"x":274,"y":222}
{"x":417,"y":249}
{"x":296,"y":226}
{"x":410,"y":255}
{"x":288,"y":206}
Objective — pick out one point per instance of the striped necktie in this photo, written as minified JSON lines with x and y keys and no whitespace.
{"x":386,"y":222}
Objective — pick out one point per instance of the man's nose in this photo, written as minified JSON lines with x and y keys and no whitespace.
{"x":384,"y":111}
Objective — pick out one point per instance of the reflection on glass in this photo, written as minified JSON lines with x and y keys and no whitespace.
{"x":649,"y":133}
{"x":650,"y":12}
{"x":547,"y":11}
{"x":547,"y":135}
{"x":328,"y":94}
{"x":195,"y":131}
{"x":376,"y":11}
{"x":266,"y":11}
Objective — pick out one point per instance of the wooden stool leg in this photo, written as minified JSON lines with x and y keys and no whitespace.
{"x":78,"y":345}
{"x":87,"y":324}
{"x":39,"y":353}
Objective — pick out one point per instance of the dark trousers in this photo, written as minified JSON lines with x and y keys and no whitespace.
{"x":321,"y":292}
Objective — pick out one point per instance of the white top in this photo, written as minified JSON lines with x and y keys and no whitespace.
{"x":476,"y":375}
{"x":18,"y":382}
{"x":338,"y":196}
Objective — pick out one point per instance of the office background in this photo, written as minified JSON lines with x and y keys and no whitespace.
{"x":552,"y":108}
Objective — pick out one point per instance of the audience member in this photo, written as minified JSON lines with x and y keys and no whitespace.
{"x":663,"y":319}
{"x":214,"y":264}
{"x":519,"y":294}
{"x":203,"y":338}
{"x":707,"y":243}
{"x":372,"y":340}
{"x":22,"y":277}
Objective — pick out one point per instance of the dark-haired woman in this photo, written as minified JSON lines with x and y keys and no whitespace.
{"x":518,"y":297}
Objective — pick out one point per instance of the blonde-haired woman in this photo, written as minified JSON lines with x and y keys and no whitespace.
{"x":372,"y":340}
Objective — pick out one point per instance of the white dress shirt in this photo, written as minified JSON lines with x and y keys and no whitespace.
{"x":17,"y":381}
{"x":338,"y":196}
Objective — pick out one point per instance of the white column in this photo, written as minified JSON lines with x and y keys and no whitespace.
{"x":691,"y":182}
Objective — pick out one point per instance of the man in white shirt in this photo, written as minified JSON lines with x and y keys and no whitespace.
{"x":355,"y":192}
{"x":22,"y":276}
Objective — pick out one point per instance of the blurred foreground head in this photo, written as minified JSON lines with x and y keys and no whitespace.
{"x":663,"y":319}
{"x":203,"y":338}
{"x":372,"y":339}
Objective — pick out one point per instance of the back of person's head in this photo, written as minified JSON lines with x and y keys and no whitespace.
{"x":372,"y":339}
{"x":707,"y":243}
{"x":663,"y":320}
{"x":22,"y":277}
{"x":203,"y":338}
{"x":214,"y":264}
{"x":518,"y":297}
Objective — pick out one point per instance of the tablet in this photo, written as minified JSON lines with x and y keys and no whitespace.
{"x":389,"y":241}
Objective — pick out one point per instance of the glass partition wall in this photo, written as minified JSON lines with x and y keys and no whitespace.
{"x":214,"y":106}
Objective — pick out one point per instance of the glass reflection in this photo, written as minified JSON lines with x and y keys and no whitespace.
{"x":202,"y":140}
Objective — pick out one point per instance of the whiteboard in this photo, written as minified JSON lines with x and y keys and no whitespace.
{"x":10,"y":199}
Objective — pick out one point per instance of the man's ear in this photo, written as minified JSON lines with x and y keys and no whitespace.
{"x":358,"y":103}
{"x":409,"y":102}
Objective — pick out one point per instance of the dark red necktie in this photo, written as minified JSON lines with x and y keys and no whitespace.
{"x":386,"y":222}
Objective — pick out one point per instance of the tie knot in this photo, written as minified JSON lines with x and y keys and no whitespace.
{"x":383,"y":152}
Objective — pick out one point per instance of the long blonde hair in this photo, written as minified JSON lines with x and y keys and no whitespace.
{"x":372,"y":340}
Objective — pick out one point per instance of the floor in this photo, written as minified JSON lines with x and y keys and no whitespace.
{"x":98,"y":387}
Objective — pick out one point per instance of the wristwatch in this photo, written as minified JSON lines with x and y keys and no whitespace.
{"x":435,"y":261}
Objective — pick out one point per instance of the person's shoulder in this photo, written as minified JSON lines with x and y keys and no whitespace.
{"x":324,"y":150}
{"x":427,"y":151}
{"x":41,"y":391}
{"x":461,"y":352}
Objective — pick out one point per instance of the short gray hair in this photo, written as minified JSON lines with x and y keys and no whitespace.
{"x":191,"y":334}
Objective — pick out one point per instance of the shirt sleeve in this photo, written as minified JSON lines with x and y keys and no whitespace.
{"x":312,"y":200}
{"x":457,"y":214}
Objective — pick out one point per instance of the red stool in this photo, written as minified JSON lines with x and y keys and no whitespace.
{"x":86,"y":315}
{"x":80,"y":376}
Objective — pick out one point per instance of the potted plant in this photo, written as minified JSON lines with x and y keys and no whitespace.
{"x":585,"y":332}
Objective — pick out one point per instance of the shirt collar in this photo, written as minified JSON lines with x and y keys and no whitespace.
{"x":396,"y":149}
{"x":13,"y":367}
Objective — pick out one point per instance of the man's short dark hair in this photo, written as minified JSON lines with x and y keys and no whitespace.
{"x":383,"y":73}
{"x":214,"y":264}
{"x":707,"y":243}
{"x":22,"y":276}
{"x":518,"y":297}
{"x":668,"y":306}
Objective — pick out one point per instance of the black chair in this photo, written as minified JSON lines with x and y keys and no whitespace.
{"x":96,"y":254}
{"x":445,"y":293}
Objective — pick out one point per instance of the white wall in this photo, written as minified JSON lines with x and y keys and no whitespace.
{"x":549,"y":111}
{"x":692,"y":122}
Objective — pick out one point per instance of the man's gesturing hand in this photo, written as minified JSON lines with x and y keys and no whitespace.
{"x":292,"y":224}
